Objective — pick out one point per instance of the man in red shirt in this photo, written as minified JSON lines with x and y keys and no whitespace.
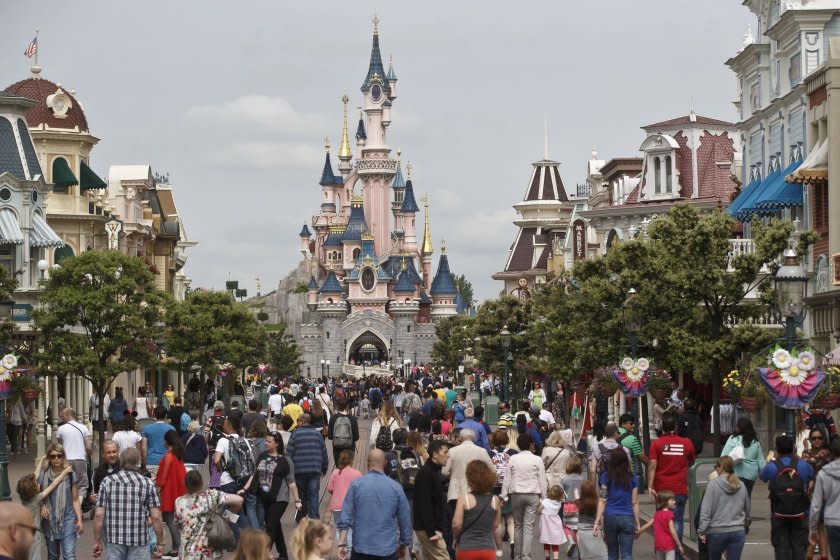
{"x":670,"y":457}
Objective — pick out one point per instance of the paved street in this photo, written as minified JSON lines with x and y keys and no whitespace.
{"x":758,"y":542}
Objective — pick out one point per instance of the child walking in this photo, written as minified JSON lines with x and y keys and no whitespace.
{"x":552,"y":534}
{"x":665,"y":540}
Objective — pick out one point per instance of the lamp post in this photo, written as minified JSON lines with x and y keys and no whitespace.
{"x":505,"y":336}
{"x":159,"y":325}
{"x":323,"y":364}
{"x":632,"y":324}
{"x":328,"y":368}
{"x":791,"y":283}
{"x":6,"y":308}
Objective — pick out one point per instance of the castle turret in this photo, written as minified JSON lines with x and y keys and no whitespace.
{"x":312,"y":294}
{"x":391,"y":76}
{"x":427,"y":250}
{"x":305,"y":236}
{"x":443,"y":290}
{"x":344,"y":152}
{"x":351,"y":241}
{"x":327,"y":182}
{"x":409,"y":210}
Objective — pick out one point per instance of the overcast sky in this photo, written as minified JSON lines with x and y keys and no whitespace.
{"x":233,"y":100}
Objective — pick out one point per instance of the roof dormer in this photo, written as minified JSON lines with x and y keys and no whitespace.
{"x":660,"y":172}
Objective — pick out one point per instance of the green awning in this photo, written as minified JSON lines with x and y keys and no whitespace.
{"x":90,"y":180}
{"x":61,"y":174}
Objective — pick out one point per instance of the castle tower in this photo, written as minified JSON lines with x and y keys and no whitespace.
{"x":443,"y":290}
{"x":427,"y":250}
{"x":328,"y":182}
{"x":344,"y":152}
{"x":409,"y":210}
{"x":375,"y":168}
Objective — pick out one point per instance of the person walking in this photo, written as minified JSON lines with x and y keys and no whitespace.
{"x":170,"y":482}
{"x":195,"y":448}
{"x":724,"y":513}
{"x":429,"y":513}
{"x":590,"y":545}
{"x":78,"y":442}
{"x":524,"y":485}
{"x":126,"y":436}
{"x":825,"y":504}
{"x":627,"y":437}
{"x":235,"y":460}
{"x":342,"y":476}
{"x":666,"y":542}
{"x":555,"y":454}
{"x":18,"y":535}
{"x":343,"y":430}
{"x":32,"y":496}
{"x":192,"y":511}
{"x":153,"y":439}
{"x":618,"y":508}
{"x":386,"y":418}
{"x":670,"y":458}
{"x":500,"y":454}
{"x":382,"y":532}
{"x":817,"y":455}
{"x":276,"y":479}
{"x":745,"y":450}
{"x":788,"y":478}
{"x":478,"y":513}
{"x":127,"y":501}
{"x":62,"y":510}
{"x":117,"y":409}
{"x":308,"y":452}
{"x":552,"y":532}
{"x":109,"y":465}
{"x":214,"y":430}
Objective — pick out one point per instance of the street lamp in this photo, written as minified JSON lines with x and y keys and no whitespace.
{"x":6,"y":308}
{"x":159,"y":325}
{"x":632,"y":325}
{"x":505,"y":336}
{"x":323,"y":364}
{"x":791,"y":283}
{"x":328,"y":368}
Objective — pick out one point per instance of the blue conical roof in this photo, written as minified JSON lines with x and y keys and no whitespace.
{"x":375,"y":68}
{"x":394,"y":267}
{"x":333,"y":239}
{"x":327,"y":175}
{"x":305,"y":231}
{"x":360,"y":130}
{"x":313,"y":285}
{"x":392,"y":76}
{"x":442,"y":285}
{"x":424,"y":299}
{"x":404,"y":284}
{"x":331,"y":284}
{"x":409,"y":204}
{"x":398,"y":182}
{"x":356,"y":226}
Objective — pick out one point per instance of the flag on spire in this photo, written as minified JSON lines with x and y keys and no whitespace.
{"x":32,"y":49}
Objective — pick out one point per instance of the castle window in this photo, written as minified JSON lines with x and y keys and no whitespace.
{"x":668,"y":175}
{"x":356,"y":253}
{"x":657,"y":175}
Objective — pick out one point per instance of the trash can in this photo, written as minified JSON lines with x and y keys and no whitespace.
{"x":491,"y":409}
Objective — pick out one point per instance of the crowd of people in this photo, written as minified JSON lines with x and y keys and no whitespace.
{"x":438,"y":480}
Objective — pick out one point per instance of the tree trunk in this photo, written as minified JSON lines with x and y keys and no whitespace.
{"x":99,"y":387}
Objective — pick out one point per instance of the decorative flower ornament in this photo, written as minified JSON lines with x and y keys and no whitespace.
{"x":643,"y":364}
{"x":794,"y":381}
{"x":627,"y":363}
{"x":807,"y":361}
{"x":9,"y":361}
{"x":781,"y":358}
{"x":633,"y":376}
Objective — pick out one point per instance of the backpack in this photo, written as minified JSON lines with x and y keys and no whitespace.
{"x":601,"y":468}
{"x":343,"y":433}
{"x":185,"y":421}
{"x":500,"y":462}
{"x":392,"y":465}
{"x":240,"y":464}
{"x":375,"y":397}
{"x":408,"y":469}
{"x":383,"y":438}
{"x":787,"y":492}
{"x":217,"y":425}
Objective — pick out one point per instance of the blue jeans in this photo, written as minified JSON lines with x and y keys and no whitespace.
{"x":309,"y":486}
{"x":732,"y":543}
{"x":123,"y":552}
{"x":833,"y":533}
{"x":336,"y":515}
{"x":64,"y":547}
{"x":255,"y":511}
{"x":620,"y":531}
{"x":679,"y":520}
{"x":242,"y":522}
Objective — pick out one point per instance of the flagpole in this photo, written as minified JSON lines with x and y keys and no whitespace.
{"x":37,"y":46}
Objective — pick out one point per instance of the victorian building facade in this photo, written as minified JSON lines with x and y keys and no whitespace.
{"x":372,"y":299}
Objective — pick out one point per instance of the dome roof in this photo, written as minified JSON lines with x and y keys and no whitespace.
{"x":39,"y":89}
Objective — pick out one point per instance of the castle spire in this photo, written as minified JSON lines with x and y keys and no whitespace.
{"x":344,"y":152}
{"x":376,"y":70}
{"x":427,"y":234}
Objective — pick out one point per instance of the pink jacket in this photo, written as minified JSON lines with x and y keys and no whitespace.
{"x":339,"y":483}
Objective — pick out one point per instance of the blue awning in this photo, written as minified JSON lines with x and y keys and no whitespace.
{"x":748,"y":208}
{"x":742,"y":196}
{"x":781,"y":194}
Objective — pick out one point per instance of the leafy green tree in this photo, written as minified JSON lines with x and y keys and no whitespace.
{"x":99,"y":319}
{"x":8,"y":284}
{"x":208,"y":328}
{"x":491,"y":318}
{"x":465,"y":289}
{"x":454,"y":336}
{"x":282,"y":352}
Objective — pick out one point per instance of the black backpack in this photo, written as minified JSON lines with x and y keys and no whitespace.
{"x":788,"y":497}
{"x":217,"y":431}
{"x":604,"y":459}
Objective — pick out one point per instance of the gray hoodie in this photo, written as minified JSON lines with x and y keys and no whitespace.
{"x":826,"y":497}
{"x":723,"y":509}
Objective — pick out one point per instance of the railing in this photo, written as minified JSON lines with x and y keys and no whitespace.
{"x":738,"y":247}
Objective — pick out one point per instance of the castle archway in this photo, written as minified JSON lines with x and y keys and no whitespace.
{"x":368,"y":348}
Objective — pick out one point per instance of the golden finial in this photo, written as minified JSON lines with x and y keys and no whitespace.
{"x":399,"y":153}
{"x":375,"y":21}
{"x":344,"y":152}
{"x":427,"y":234}
{"x":408,"y":168}
{"x":327,"y":143}
{"x":443,"y":246}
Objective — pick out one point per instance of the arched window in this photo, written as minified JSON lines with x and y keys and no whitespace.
{"x":668,"y":175}
{"x":657,"y":177}
{"x":356,"y":253}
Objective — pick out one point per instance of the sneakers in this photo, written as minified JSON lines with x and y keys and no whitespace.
{"x":170,"y":554}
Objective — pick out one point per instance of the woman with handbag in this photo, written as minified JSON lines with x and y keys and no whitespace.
{"x":745,"y":451}
{"x":478,"y":513}
{"x":276,"y":478}
{"x":197,"y":514}
{"x":61,"y":510}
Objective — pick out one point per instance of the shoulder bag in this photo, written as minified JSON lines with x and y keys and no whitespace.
{"x":219,"y":533}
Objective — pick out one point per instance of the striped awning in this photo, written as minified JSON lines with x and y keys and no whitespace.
{"x":10,"y":233}
{"x":42,"y":234}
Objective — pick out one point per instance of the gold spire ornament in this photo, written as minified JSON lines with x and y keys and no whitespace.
{"x":344,"y":152}
{"x":427,"y":234}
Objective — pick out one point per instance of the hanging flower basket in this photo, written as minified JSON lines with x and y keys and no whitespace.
{"x":828,"y":402}
{"x":793,"y":379}
{"x":828,"y":395}
{"x":633,"y":376}
{"x":751,"y":404}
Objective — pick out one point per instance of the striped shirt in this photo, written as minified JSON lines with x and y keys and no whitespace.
{"x":127,"y":497}
{"x":307,"y":450}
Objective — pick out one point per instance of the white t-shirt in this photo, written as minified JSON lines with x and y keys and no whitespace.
{"x":275,"y":403}
{"x":72,"y":436}
{"x":547,"y":417}
{"x":126,"y":439}
{"x":223,"y":447}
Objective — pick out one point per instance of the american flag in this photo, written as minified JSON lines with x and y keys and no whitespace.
{"x":32,"y":49}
